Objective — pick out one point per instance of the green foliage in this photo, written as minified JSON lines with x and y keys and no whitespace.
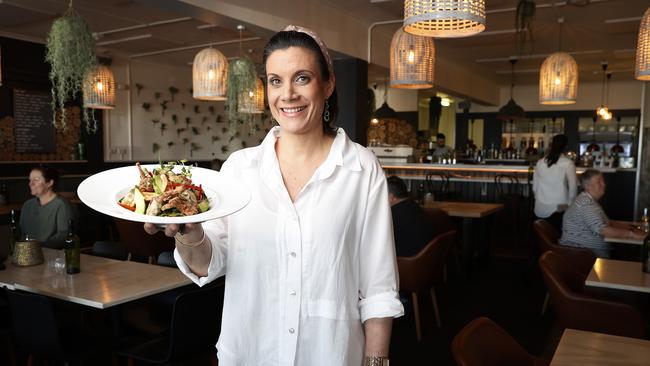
{"x":242,"y":78}
{"x":70,"y":51}
{"x":524,"y":23}
{"x":146,"y":106}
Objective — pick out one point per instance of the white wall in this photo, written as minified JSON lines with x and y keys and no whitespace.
{"x":401,"y":100}
{"x":622,"y":95}
{"x":139,"y":134}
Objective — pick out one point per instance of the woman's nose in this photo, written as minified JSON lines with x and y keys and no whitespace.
{"x":287,"y":92}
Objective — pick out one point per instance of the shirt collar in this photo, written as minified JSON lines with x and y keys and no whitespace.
{"x":343,"y":153}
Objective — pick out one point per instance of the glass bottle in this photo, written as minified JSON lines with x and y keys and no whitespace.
{"x":645,"y":220}
{"x":72,"y":251}
{"x":14,"y":233}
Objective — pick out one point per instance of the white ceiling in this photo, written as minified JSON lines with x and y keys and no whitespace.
{"x":602,"y":30}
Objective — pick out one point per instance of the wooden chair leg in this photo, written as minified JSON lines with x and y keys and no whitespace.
{"x":545,"y":305}
{"x":416,"y":315}
{"x":435,"y":306}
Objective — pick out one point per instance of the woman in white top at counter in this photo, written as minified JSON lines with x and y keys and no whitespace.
{"x":554,"y":183}
{"x":311,"y":276}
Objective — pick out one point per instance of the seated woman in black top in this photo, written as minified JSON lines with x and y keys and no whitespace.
{"x":411,"y":228}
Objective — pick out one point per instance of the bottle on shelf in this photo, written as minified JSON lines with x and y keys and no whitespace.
{"x":645,"y":220}
{"x":72,"y":251}
{"x":14,"y":233}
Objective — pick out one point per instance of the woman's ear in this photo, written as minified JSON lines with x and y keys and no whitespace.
{"x":329,"y":89}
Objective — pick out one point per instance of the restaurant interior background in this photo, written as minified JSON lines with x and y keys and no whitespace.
{"x":150,"y":46}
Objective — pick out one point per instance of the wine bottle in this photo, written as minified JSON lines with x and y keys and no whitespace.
{"x":14,"y":233}
{"x":72,"y":251}
{"x":645,"y":255}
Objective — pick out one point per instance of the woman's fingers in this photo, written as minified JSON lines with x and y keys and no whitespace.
{"x":171,"y":229}
{"x":150,"y":228}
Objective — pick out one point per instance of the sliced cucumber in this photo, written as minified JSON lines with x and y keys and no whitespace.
{"x":204,"y":205}
{"x":140,"y":205}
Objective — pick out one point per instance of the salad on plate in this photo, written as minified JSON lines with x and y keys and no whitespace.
{"x":163,"y":192}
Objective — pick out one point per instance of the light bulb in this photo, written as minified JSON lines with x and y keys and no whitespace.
{"x":99,"y":86}
{"x":607,"y":116}
{"x":411,"y":56}
{"x":210,"y":74}
{"x":374,"y":121}
{"x":557,"y":81}
{"x":445,"y":102}
{"x":251,"y":94}
{"x":601,"y":111}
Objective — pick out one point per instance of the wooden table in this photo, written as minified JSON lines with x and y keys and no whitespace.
{"x":102,"y":282}
{"x":580,"y":348}
{"x":620,"y":275}
{"x":625,"y":240}
{"x":465,"y":209}
{"x":468,"y":211}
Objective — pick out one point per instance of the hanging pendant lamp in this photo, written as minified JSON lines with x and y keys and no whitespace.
{"x":412,"y":61}
{"x":593,"y":146}
{"x":209,"y":75}
{"x":558,"y":77}
{"x":642,"y":68}
{"x":511,"y":111}
{"x":384,"y":111}
{"x":603,"y":110}
{"x":444,"y":18}
{"x":253,"y":100}
{"x":99,"y":89}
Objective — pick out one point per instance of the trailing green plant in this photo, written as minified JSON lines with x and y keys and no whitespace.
{"x":70,"y":51}
{"x":155,"y":147}
{"x":242,"y":78}
{"x":163,"y":127}
{"x":138,"y":88}
{"x":524,"y":23}
{"x":173,"y":91}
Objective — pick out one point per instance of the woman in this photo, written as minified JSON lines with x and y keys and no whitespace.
{"x":45,"y":217}
{"x":310,"y":262}
{"x":554,"y":183}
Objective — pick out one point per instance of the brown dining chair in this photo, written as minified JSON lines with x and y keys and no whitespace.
{"x":420,"y":272}
{"x":139,"y":244}
{"x":582,"y":259}
{"x":483,"y":343}
{"x":577,"y":310}
{"x":443,"y":224}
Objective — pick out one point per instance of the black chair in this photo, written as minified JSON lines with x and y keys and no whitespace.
{"x":39,"y":333}
{"x":508,"y":192}
{"x":110,"y":249}
{"x":438,"y":184}
{"x":167,"y":259}
{"x":195,"y":328}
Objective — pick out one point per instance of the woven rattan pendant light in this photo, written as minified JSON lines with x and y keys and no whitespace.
{"x":99,"y":89}
{"x":253,"y":100}
{"x":558,"y":77}
{"x":412,"y":61}
{"x":444,"y":18}
{"x":642,"y":68}
{"x":209,"y":75}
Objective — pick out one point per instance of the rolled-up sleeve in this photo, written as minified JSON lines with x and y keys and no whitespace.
{"x":378,"y":290}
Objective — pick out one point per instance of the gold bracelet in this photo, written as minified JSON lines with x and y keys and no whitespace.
{"x":189,"y":245}
{"x":375,"y":361}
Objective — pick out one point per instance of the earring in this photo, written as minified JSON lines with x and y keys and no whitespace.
{"x":326,"y":113}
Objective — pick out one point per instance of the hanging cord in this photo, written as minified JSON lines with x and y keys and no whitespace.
{"x":559,"y":40}
{"x":241,"y":29}
{"x":70,"y":10}
{"x":513,"y":61}
{"x":602,"y":91}
{"x":609,"y":76}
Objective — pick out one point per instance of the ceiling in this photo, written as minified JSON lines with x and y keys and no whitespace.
{"x":601,"y":30}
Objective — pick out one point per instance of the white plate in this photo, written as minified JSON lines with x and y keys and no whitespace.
{"x":102,"y":191}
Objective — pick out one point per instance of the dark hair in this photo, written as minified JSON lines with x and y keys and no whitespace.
{"x":441,"y":136}
{"x":587,"y":175}
{"x":49,"y":173}
{"x":285,"y":39}
{"x":558,"y":145}
{"x":397,"y":187}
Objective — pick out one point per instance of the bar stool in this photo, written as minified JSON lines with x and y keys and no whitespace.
{"x":508,"y":192}
{"x":438,"y":184}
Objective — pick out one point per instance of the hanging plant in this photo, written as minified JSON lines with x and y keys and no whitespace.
{"x":174,"y":118}
{"x":219,"y":118}
{"x":224,"y":149}
{"x":170,"y":143}
{"x":185,"y":140}
{"x":156,"y":95}
{"x":163,"y":106}
{"x":138,"y":89}
{"x":183,"y":105}
{"x":208,"y":128}
{"x":70,"y":51}
{"x":524,"y":23}
{"x":211,"y":109}
{"x":194,"y":147}
{"x":196,"y":109}
{"x":155,"y":147}
{"x":242,"y":78}
{"x":155,"y":121}
{"x":215,"y":138}
{"x":204,"y":120}
{"x":146,"y":106}
{"x":188,"y":120}
{"x":173,"y":91}
{"x":195,"y":131}
{"x":163,"y":127}
{"x":179,"y":131}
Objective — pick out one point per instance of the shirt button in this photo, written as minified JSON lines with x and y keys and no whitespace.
{"x":292,"y":293}
{"x":291,"y":330}
{"x":293,"y":254}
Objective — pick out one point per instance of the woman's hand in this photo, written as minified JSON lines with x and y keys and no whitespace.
{"x":191,"y":232}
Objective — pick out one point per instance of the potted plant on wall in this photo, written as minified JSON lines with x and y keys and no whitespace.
{"x":70,"y":51}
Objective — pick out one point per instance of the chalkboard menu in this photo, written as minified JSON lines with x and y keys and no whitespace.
{"x":34,"y":131}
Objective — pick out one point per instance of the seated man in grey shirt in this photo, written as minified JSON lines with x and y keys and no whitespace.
{"x":585,"y":224}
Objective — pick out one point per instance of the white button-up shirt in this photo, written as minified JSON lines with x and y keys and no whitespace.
{"x":302,"y":276}
{"x":554,"y":186}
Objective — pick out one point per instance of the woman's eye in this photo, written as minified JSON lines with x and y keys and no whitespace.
{"x":302,"y":79}
{"x":274,"y":81}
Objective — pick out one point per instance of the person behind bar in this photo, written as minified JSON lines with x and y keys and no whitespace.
{"x":45,"y":216}
{"x":554,"y":183}
{"x":441,"y":147}
{"x":585,"y":224}
{"x":311,"y":275}
{"x":410,"y":226}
